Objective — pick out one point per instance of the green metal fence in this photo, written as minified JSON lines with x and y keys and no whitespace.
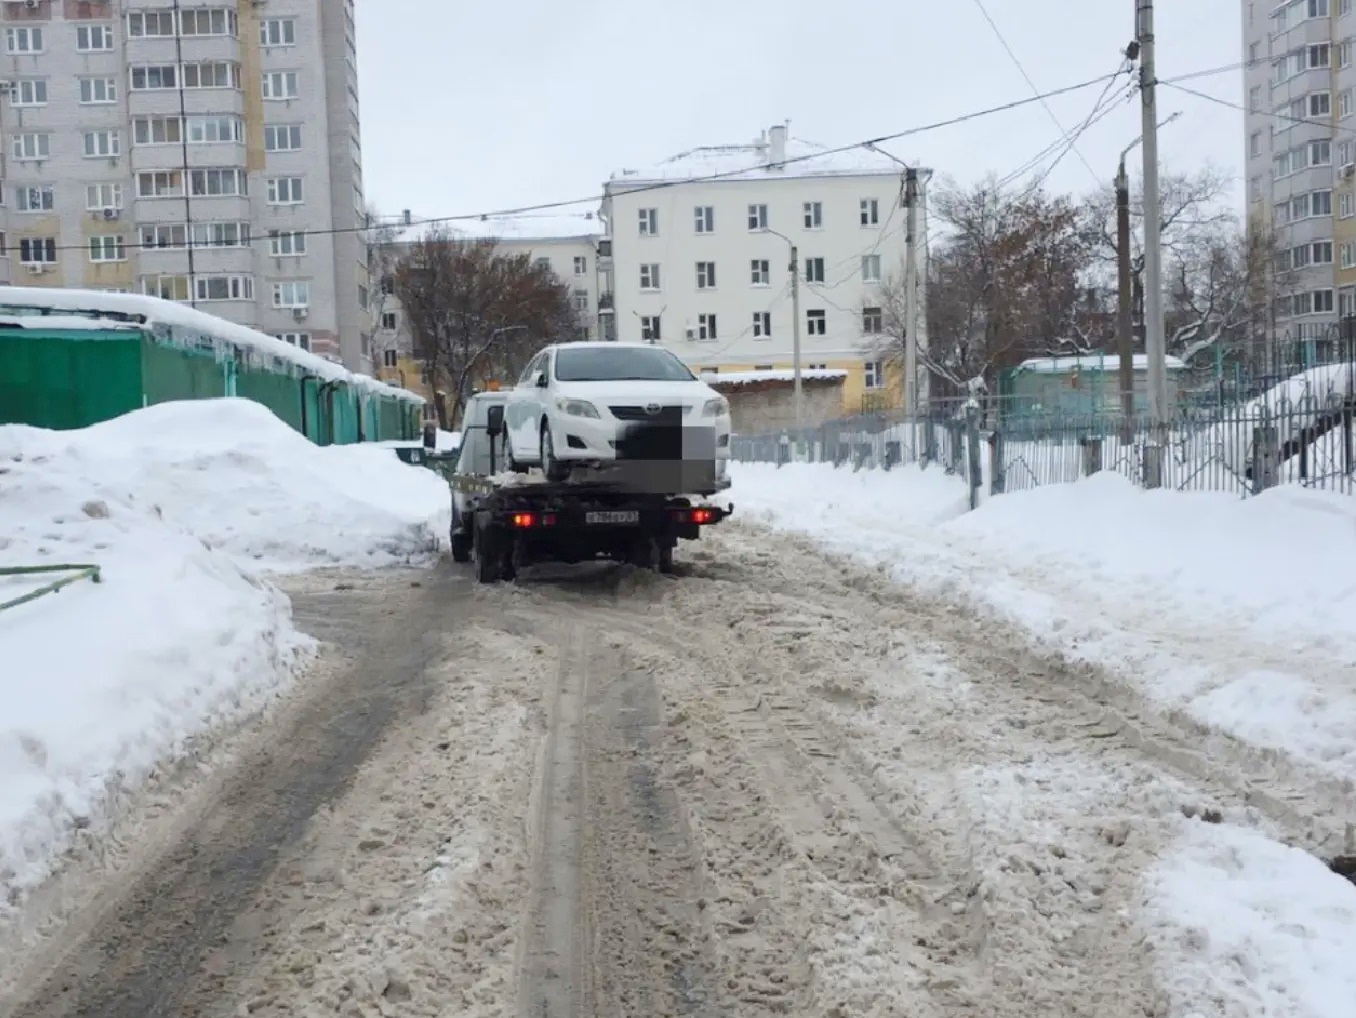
{"x":73,"y":378}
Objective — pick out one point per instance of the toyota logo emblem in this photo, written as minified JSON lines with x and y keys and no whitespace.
{"x":652,"y":408}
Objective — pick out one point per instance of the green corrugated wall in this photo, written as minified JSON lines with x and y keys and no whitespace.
{"x":68,"y":378}
{"x":72,"y":378}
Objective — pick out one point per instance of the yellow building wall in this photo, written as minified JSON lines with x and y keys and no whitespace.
{"x":857,"y":398}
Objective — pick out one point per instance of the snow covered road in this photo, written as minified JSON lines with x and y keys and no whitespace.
{"x":778,"y":785}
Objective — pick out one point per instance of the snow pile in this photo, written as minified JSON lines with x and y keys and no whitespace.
{"x":1239,"y":612}
{"x":234,"y":475}
{"x":102,"y":683}
{"x":1243,"y":925}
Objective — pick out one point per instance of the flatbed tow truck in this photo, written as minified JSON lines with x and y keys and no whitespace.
{"x":503,"y":521}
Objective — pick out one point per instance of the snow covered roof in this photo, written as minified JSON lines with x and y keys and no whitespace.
{"x":1092,"y":362}
{"x":532,"y":226}
{"x":88,"y":305}
{"x":752,"y":161}
{"x":73,"y":322}
{"x":775,"y":375}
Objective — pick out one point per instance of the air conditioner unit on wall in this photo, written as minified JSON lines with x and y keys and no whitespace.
{"x":1349,"y":170}
{"x":112,"y":213}
{"x":300,"y":314}
{"x":32,"y":5}
{"x":36,"y":268}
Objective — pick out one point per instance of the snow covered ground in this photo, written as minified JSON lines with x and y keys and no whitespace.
{"x":1239,"y":615}
{"x":183,"y":506}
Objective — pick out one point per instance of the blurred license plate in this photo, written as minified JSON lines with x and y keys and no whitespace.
{"x":630,"y":516}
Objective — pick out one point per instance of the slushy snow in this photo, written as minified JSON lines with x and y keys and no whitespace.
{"x":1239,"y":612}
{"x":183,"y":506}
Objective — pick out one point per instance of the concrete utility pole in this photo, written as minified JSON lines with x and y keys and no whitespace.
{"x":1124,"y":339}
{"x":1154,"y":339}
{"x":910,"y":290}
{"x":795,"y":337}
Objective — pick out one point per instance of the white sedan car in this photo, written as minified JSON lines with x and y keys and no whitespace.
{"x":578,"y":403}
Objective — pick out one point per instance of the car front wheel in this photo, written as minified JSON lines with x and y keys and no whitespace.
{"x":553,"y":468}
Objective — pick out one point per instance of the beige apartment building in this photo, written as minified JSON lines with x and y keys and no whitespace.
{"x":207,"y":153}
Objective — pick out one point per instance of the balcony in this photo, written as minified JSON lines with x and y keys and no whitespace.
{"x":606,"y":304}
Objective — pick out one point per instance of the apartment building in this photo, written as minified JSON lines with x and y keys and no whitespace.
{"x":566,"y":244}
{"x":207,"y":153}
{"x":702,"y":265}
{"x":1301,"y":153}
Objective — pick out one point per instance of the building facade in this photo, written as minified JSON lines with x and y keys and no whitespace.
{"x":1300,"y":81}
{"x":703,"y":266}
{"x":566,"y":244}
{"x":206,"y":153}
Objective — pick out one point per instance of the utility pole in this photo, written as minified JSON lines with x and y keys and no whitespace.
{"x":795,"y":336}
{"x":910,"y":290}
{"x":1154,"y":339}
{"x":1125,"y":341}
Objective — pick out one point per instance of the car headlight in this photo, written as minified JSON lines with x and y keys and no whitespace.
{"x":577,"y":407}
{"x":718,"y":407}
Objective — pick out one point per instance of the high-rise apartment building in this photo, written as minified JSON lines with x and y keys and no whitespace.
{"x":1301,"y":154}
{"x":207,"y":153}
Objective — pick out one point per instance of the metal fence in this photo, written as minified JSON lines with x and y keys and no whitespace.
{"x":1299,"y":432}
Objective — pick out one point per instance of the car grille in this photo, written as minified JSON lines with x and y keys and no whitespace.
{"x":638,"y":413}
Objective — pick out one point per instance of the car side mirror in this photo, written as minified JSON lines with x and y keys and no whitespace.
{"x":540,"y":383}
{"x":494,"y":420}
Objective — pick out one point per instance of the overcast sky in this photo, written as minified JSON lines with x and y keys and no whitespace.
{"x":477,"y":107}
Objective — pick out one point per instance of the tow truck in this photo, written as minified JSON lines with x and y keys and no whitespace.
{"x":503,"y":521}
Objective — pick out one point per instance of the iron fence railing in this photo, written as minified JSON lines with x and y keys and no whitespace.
{"x":1300,"y":431}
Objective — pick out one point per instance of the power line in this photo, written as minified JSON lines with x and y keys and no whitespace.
{"x":1035,"y":91}
{"x":1266,"y":113}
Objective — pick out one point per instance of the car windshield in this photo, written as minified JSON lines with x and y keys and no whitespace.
{"x":619,"y":364}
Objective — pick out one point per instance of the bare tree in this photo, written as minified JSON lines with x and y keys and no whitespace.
{"x":1005,"y":283}
{"x":475,"y":314}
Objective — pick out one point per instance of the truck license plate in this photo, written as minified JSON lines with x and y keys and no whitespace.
{"x":630,"y":516}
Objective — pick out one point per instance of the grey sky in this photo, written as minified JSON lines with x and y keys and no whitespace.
{"x":485,"y":106}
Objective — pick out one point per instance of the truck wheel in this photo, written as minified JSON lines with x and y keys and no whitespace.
{"x":644,"y":554}
{"x":666,"y":559}
{"x":554,"y":469}
{"x":489,"y":558}
{"x":461,"y":546}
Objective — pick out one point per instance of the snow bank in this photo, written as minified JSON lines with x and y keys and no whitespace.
{"x":100,"y":683}
{"x":231,"y":473}
{"x":1239,"y":612}
{"x":1244,"y":925}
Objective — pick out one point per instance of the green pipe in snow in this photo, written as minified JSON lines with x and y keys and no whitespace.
{"x":78,"y":571}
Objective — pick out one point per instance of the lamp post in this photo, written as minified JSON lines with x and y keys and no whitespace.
{"x":795,"y":328}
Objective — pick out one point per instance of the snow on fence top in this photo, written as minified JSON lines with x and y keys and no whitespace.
{"x":179,"y":322}
{"x":775,"y":375}
{"x":1092,"y":362}
{"x":756,"y":160}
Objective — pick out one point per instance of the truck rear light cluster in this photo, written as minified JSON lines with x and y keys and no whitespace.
{"x":697,"y":516}
{"x":524,"y":521}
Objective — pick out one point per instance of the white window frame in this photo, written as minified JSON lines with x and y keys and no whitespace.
{"x":102,"y":143}
{"x":650,"y":277}
{"x":706,"y":275}
{"x":760,"y":272}
{"x":286,"y":191}
{"x":816,"y":322}
{"x":758,"y":220}
{"x":276,"y":32}
{"x":24,"y":195}
{"x":872,"y":375}
{"x":815,"y":271}
{"x":95,"y":195}
{"x":292,"y":294}
{"x":301,"y":340}
{"x":648,"y":222}
{"x":157,"y":130}
{"x":274,"y":134}
{"x":200,"y":177}
{"x":1346,"y":205}
{"x":28,"y":92}
{"x":238,"y":286}
{"x":88,"y":34}
{"x":46,"y":246}
{"x":193,"y":74}
{"x":166,"y":286}
{"x":31,"y":146}
{"x":281,"y":86}
{"x":286,"y":243}
{"x":172,"y":179}
{"x":167,"y":77}
{"x":25,"y":40}
{"x":108,"y":247}
{"x":581,"y":265}
{"x":873,"y":321}
{"x":201,"y":128}
{"x":762,"y":325}
{"x":704,"y":219}
{"x":98,"y":91}
{"x":871,"y":268}
{"x":651,"y":328}
{"x":162,"y":21}
{"x":812,"y":215}
{"x":707,"y":327}
{"x":869,"y":212}
{"x":191,"y":19}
